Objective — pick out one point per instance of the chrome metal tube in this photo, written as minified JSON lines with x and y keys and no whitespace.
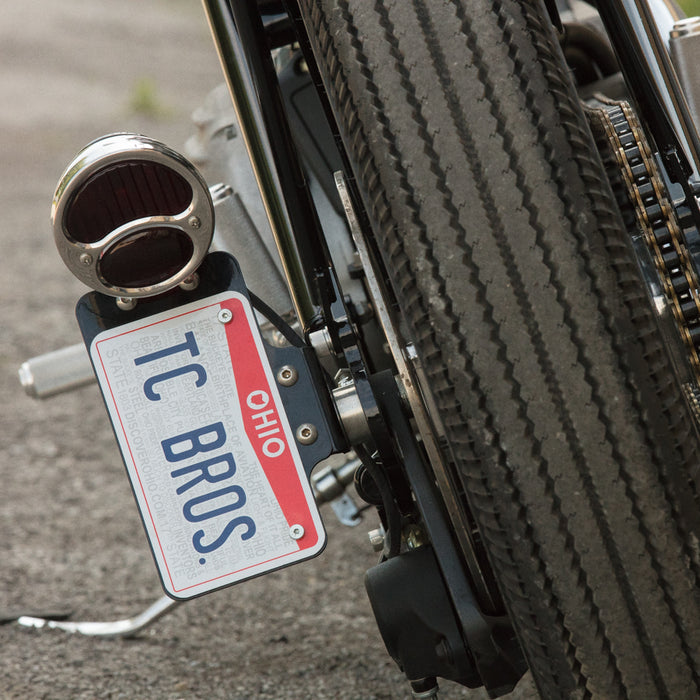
{"x":57,"y":372}
{"x":117,"y":628}
{"x":653,"y":48}
{"x":329,"y":482}
{"x":252,"y":125}
{"x":684,"y":47}
{"x":666,"y":13}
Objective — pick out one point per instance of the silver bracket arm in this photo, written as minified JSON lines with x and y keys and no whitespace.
{"x":117,"y":628}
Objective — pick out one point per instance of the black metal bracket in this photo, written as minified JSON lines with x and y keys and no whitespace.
{"x":305,"y":401}
{"x":490,"y":641}
{"x":415,"y":617}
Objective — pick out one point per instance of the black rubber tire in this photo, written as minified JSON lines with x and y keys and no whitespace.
{"x":510,"y":262}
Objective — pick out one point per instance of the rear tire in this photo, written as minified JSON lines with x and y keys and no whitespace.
{"x":513,"y":270}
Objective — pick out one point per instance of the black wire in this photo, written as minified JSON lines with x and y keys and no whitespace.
{"x":276,"y":320}
{"x":393,"y":517}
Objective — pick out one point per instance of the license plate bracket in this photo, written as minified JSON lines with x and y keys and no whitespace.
{"x":207,"y":432}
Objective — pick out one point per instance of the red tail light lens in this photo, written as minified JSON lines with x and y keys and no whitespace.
{"x":146,"y":259}
{"x":125,"y":192}
{"x":132,"y":217}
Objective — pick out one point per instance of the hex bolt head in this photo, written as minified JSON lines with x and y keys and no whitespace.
{"x":194,"y":222}
{"x":287,"y":375}
{"x":190,"y":283}
{"x":225,"y":316}
{"x":126,"y":303}
{"x":307,"y":434}
{"x":376,"y":539}
{"x":296,"y":532}
{"x":414,"y":537}
{"x":410,"y":352}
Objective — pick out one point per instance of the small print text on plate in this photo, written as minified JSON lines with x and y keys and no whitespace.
{"x":215,"y":469}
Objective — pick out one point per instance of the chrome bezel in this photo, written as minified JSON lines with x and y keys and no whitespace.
{"x":83,"y":259}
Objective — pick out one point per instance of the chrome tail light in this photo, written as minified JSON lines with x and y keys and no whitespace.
{"x":131,"y":217}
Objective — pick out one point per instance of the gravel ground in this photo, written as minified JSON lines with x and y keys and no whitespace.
{"x":71,"y":537}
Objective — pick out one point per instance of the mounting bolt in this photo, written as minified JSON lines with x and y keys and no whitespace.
{"x":126,"y":303}
{"x":307,"y":434}
{"x":194,"y":222}
{"x":296,"y":532}
{"x":86,"y":259}
{"x":225,"y":316}
{"x":410,"y":353}
{"x":190,"y":283}
{"x":414,"y":537}
{"x":376,"y":539}
{"x":287,"y":375}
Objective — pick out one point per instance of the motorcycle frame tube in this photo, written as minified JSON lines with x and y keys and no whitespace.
{"x":240,"y":41}
{"x":633,"y":31}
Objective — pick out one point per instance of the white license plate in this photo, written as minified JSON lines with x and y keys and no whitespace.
{"x":209,"y":450}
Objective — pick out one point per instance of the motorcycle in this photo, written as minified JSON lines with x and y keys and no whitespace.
{"x":473,"y":274}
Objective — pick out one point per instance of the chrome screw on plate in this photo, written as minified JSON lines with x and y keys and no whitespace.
{"x":287,"y":375}
{"x":306,"y":434}
{"x":225,"y":316}
{"x":296,"y":532}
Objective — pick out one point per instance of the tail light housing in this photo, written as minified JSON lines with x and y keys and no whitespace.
{"x":131,"y":217}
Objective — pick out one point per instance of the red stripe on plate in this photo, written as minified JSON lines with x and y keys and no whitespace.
{"x":261,"y":419}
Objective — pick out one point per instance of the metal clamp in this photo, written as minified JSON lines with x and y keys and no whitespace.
{"x":349,"y":408}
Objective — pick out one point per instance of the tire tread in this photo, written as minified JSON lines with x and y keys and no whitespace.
{"x":550,"y":238}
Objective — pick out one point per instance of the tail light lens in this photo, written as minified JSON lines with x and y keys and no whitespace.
{"x":131,"y":217}
{"x":128,"y":264}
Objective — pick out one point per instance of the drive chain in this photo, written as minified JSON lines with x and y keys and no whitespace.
{"x":658,"y":221}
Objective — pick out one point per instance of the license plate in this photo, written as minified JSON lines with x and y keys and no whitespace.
{"x":212,"y":459}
